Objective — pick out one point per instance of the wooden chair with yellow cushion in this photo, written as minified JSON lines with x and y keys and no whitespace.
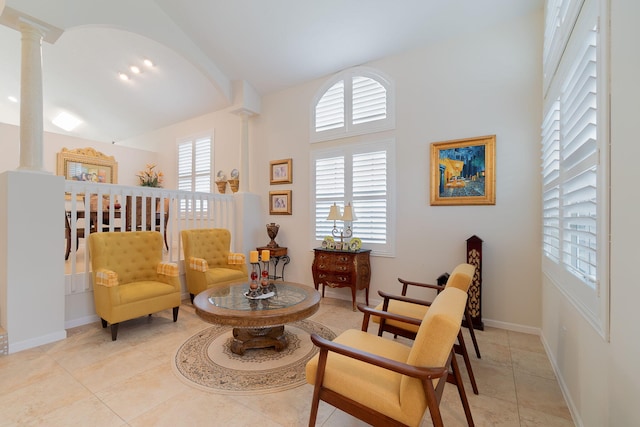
{"x":129,"y":277}
{"x":384,"y":382}
{"x":208,"y":261}
{"x":460,"y":278}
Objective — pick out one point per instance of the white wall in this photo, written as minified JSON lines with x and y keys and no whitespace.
{"x":225,"y":128}
{"x":482,"y":84}
{"x":130,"y":161}
{"x":602,"y":378}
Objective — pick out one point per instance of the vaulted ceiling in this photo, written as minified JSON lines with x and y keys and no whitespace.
{"x":201,"y":48}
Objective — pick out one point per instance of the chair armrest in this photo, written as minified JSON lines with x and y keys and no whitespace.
{"x":406,"y":283}
{"x":106,"y":278}
{"x":368,"y":312}
{"x":168,"y":269}
{"x":198,"y":264}
{"x":387,"y":297}
{"x":235,"y":258}
{"x":420,"y":372}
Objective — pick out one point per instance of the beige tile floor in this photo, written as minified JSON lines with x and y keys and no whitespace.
{"x":88,"y":380}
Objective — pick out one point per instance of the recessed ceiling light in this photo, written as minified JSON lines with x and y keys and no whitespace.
{"x":66,"y":121}
{"x":148,"y":63}
{"x":123,"y":76}
{"x":134,"y":69}
{"x":12,"y":99}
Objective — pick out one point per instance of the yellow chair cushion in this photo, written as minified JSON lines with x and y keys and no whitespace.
{"x":370,"y":385}
{"x":461,"y":277}
{"x":220,"y":275}
{"x":139,"y":291}
{"x":416,"y":311}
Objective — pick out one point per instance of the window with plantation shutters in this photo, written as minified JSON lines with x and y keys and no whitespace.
{"x":362,"y":175}
{"x":575,"y":158}
{"x":330,"y":108}
{"x":194,"y":169}
{"x":354,"y":102}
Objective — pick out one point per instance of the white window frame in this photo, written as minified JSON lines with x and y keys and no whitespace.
{"x":590,"y":295}
{"x":193,"y":140}
{"x":350,"y":129}
{"x":348,"y":151}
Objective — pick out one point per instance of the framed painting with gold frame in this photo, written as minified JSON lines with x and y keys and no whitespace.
{"x":463,"y":171}
{"x":87,"y":164}
{"x":280,"y":171}
{"x":280,"y":202}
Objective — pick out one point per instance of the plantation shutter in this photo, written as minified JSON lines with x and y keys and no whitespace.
{"x":329,"y":190}
{"x":369,"y":100}
{"x":202,"y":164}
{"x":194,"y":169}
{"x":579,"y":157}
{"x":575,"y":158}
{"x":330,"y":108}
{"x":370,"y":196}
{"x":185,"y":166}
{"x":551,"y":182}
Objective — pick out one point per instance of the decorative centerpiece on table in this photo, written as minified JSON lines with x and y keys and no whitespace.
{"x":260,"y":289}
{"x":149,"y":177}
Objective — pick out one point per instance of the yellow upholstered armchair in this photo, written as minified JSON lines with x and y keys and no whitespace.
{"x":129,"y":278}
{"x":208,"y":261}
{"x":460,"y":278}
{"x":384,"y":382}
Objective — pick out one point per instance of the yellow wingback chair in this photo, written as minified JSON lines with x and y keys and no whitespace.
{"x":129,"y":278}
{"x":208,"y":261}
{"x":384,"y":382}
{"x":460,"y":278}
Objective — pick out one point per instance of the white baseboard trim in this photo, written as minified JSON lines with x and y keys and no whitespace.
{"x":563,"y":386}
{"x":37,"y":341}
{"x":512,"y":327}
{"x":73,"y":323}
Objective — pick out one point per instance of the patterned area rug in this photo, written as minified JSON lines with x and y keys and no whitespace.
{"x":205,"y":361}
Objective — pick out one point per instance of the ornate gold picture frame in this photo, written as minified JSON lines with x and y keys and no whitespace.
{"x":280,"y":171}
{"x":87,"y":164}
{"x":463,"y":171}
{"x":280,"y":202}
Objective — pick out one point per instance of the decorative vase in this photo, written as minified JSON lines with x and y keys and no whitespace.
{"x":234,"y":184}
{"x":272,"y":231}
{"x":222,"y":186}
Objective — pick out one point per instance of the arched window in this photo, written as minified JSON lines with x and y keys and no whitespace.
{"x":359,"y":173}
{"x":354,"y":102}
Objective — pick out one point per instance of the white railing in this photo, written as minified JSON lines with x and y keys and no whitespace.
{"x":92,"y":207}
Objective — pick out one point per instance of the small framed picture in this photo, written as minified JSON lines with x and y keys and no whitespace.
{"x":280,"y":172}
{"x":280,"y":202}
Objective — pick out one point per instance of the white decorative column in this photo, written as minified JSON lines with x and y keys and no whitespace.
{"x":244,"y":155}
{"x":31,"y":116}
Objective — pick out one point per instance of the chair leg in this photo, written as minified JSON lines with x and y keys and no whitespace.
{"x":461,"y":349}
{"x":315,"y":402}
{"x":472,"y":332}
{"x":461,"y":392}
{"x":114,"y":331}
{"x":104,"y":323}
{"x":175,"y":313}
{"x":192,"y":296}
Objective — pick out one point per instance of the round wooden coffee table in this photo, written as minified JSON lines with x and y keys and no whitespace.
{"x":258,"y":323}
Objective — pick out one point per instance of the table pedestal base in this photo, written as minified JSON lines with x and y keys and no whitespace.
{"x":246,"y":338}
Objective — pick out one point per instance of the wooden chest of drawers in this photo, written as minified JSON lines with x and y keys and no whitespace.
{"x":340,"y":269}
